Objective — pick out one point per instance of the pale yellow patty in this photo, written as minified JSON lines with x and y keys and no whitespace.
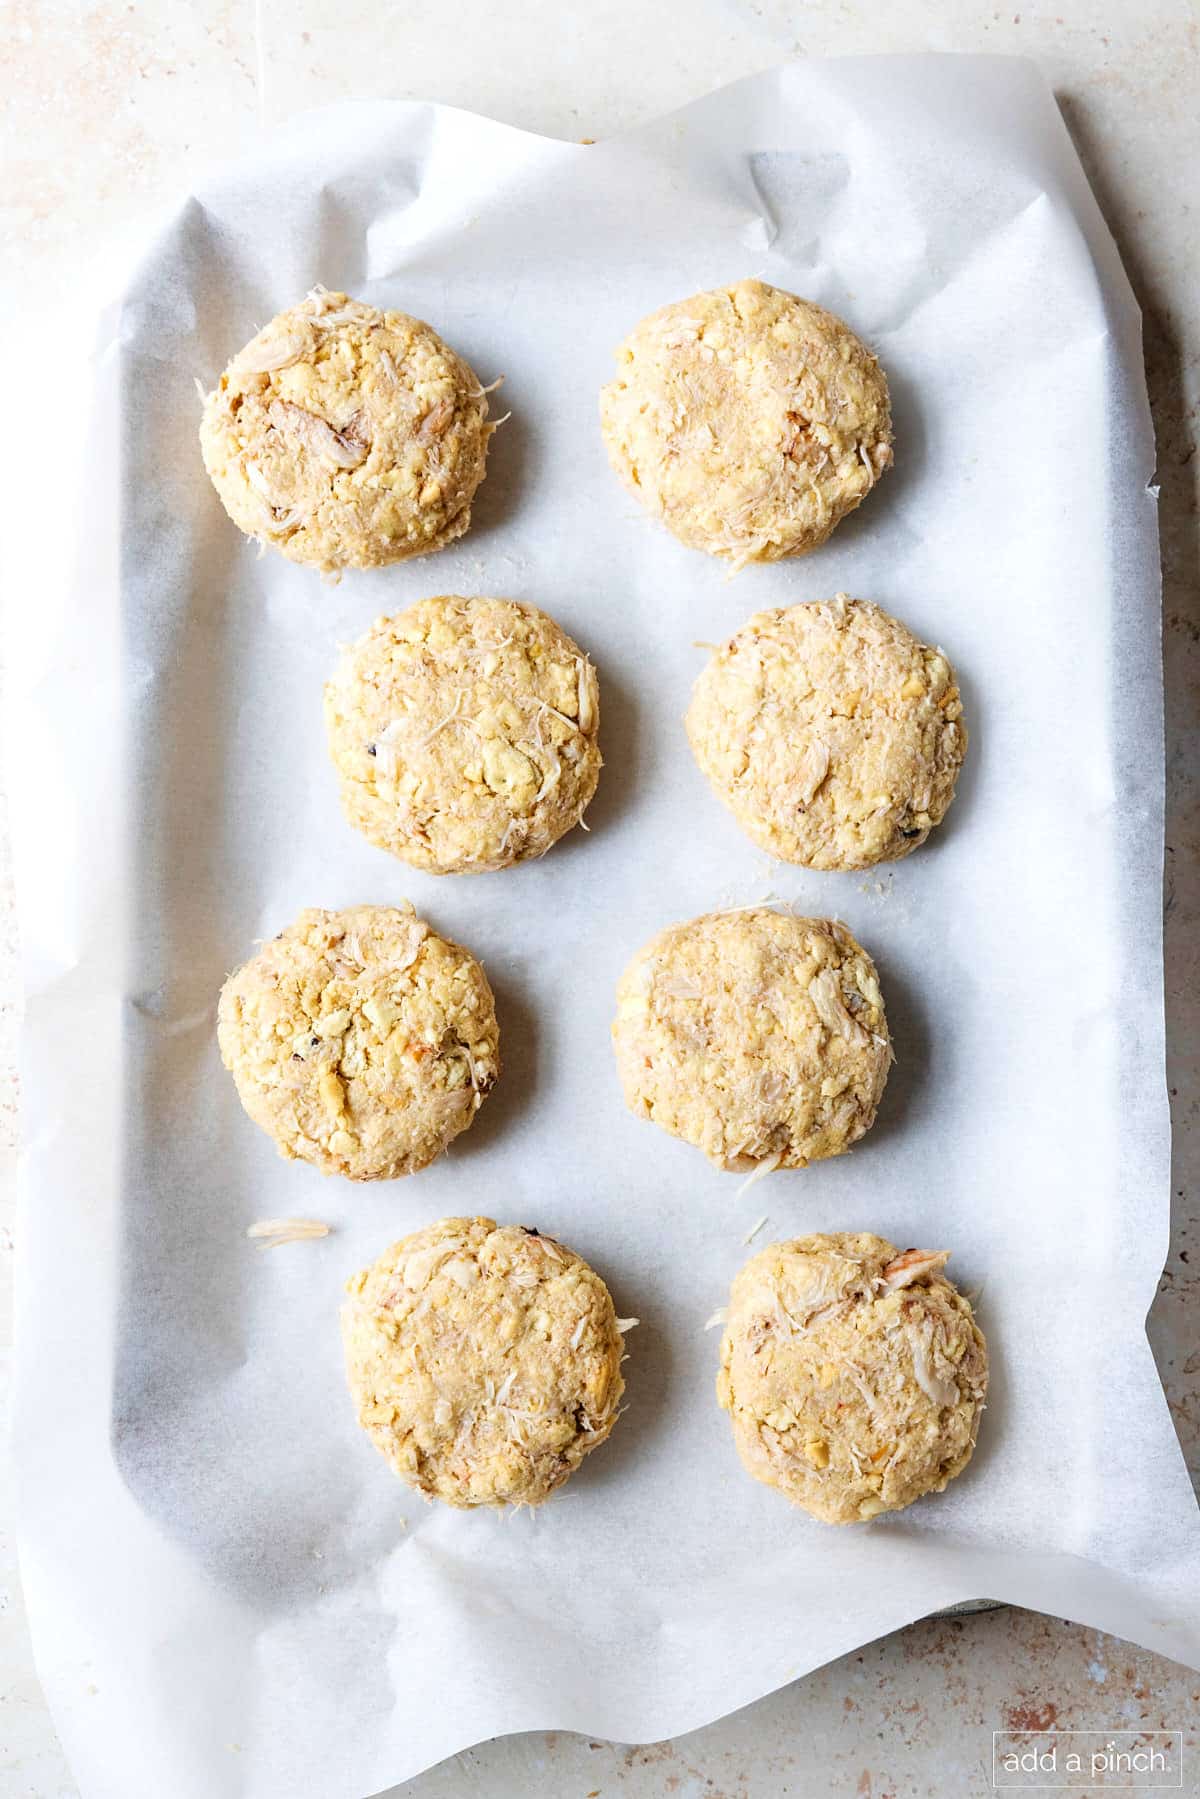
{"x":833,"y":736}
{"x":347,"y":437}
{"x":484,"y":1361}
{"x":464,"y":733}
{"x":361,"y":1041}
{"x":759,"y":1037}
{"x":854,"y":1377}
{"x":748,"y":420}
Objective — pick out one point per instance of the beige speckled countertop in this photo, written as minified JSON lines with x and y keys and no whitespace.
{"x":110,"y":108}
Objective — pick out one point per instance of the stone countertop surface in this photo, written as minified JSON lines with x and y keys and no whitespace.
{"x":110,"y":109}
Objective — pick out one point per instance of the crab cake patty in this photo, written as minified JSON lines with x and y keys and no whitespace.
{"x":854,"y":1376}
{"x":464,"y":733}
{"x":347,"y":437}
{"x":361,"y":1041}
{"x":484,"y":1361}
{"x":749,"y":421}
{"x":834,"y":737}
{"x":759,"y":1037}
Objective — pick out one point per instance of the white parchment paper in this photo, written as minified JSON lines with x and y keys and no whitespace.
{"x":230,"y":1593}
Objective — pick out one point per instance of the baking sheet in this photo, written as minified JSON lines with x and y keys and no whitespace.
{"x":229,"y":1592}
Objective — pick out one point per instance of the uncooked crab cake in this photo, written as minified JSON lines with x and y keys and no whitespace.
{"x":464,"y":733}
{"x":361,"y":1041}
{"x":834,"y":737}
{"x":854,"y":1376}
{"x":346,"y":437}
{"x":757,"y":1036}
{"x":749,"y":421}
{"x":484,"y":1361}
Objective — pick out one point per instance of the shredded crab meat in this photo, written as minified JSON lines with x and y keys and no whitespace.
{"x":786,"y":1318}
{"x":627,"y":1324}
{"x":441,"y":723}
{"x":552,"y":775}
{"x":259,"y":482}
{"x":319,"y":306}
{"x":825,"y":991}
{"x":936,"y":1387}
{"x":812,"y":771}
{"x":818,"y":1301}
{"x":767,"y":904}
{"x":341,"y":448}
{"x":545,"y":706}
{"x":587,"y":715}
{"x":858,"y":1379}
{"x":914,"y":1265}
{"x":265,"y":356}
{"x":720,"y":1316}
{"x":407,"y":956}
{"x":768,"y":1165}
{"x":436,"y":420}
{"x":272,"y":1233}
{"x":754,"y":1229}
{"x":678,"y":986}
